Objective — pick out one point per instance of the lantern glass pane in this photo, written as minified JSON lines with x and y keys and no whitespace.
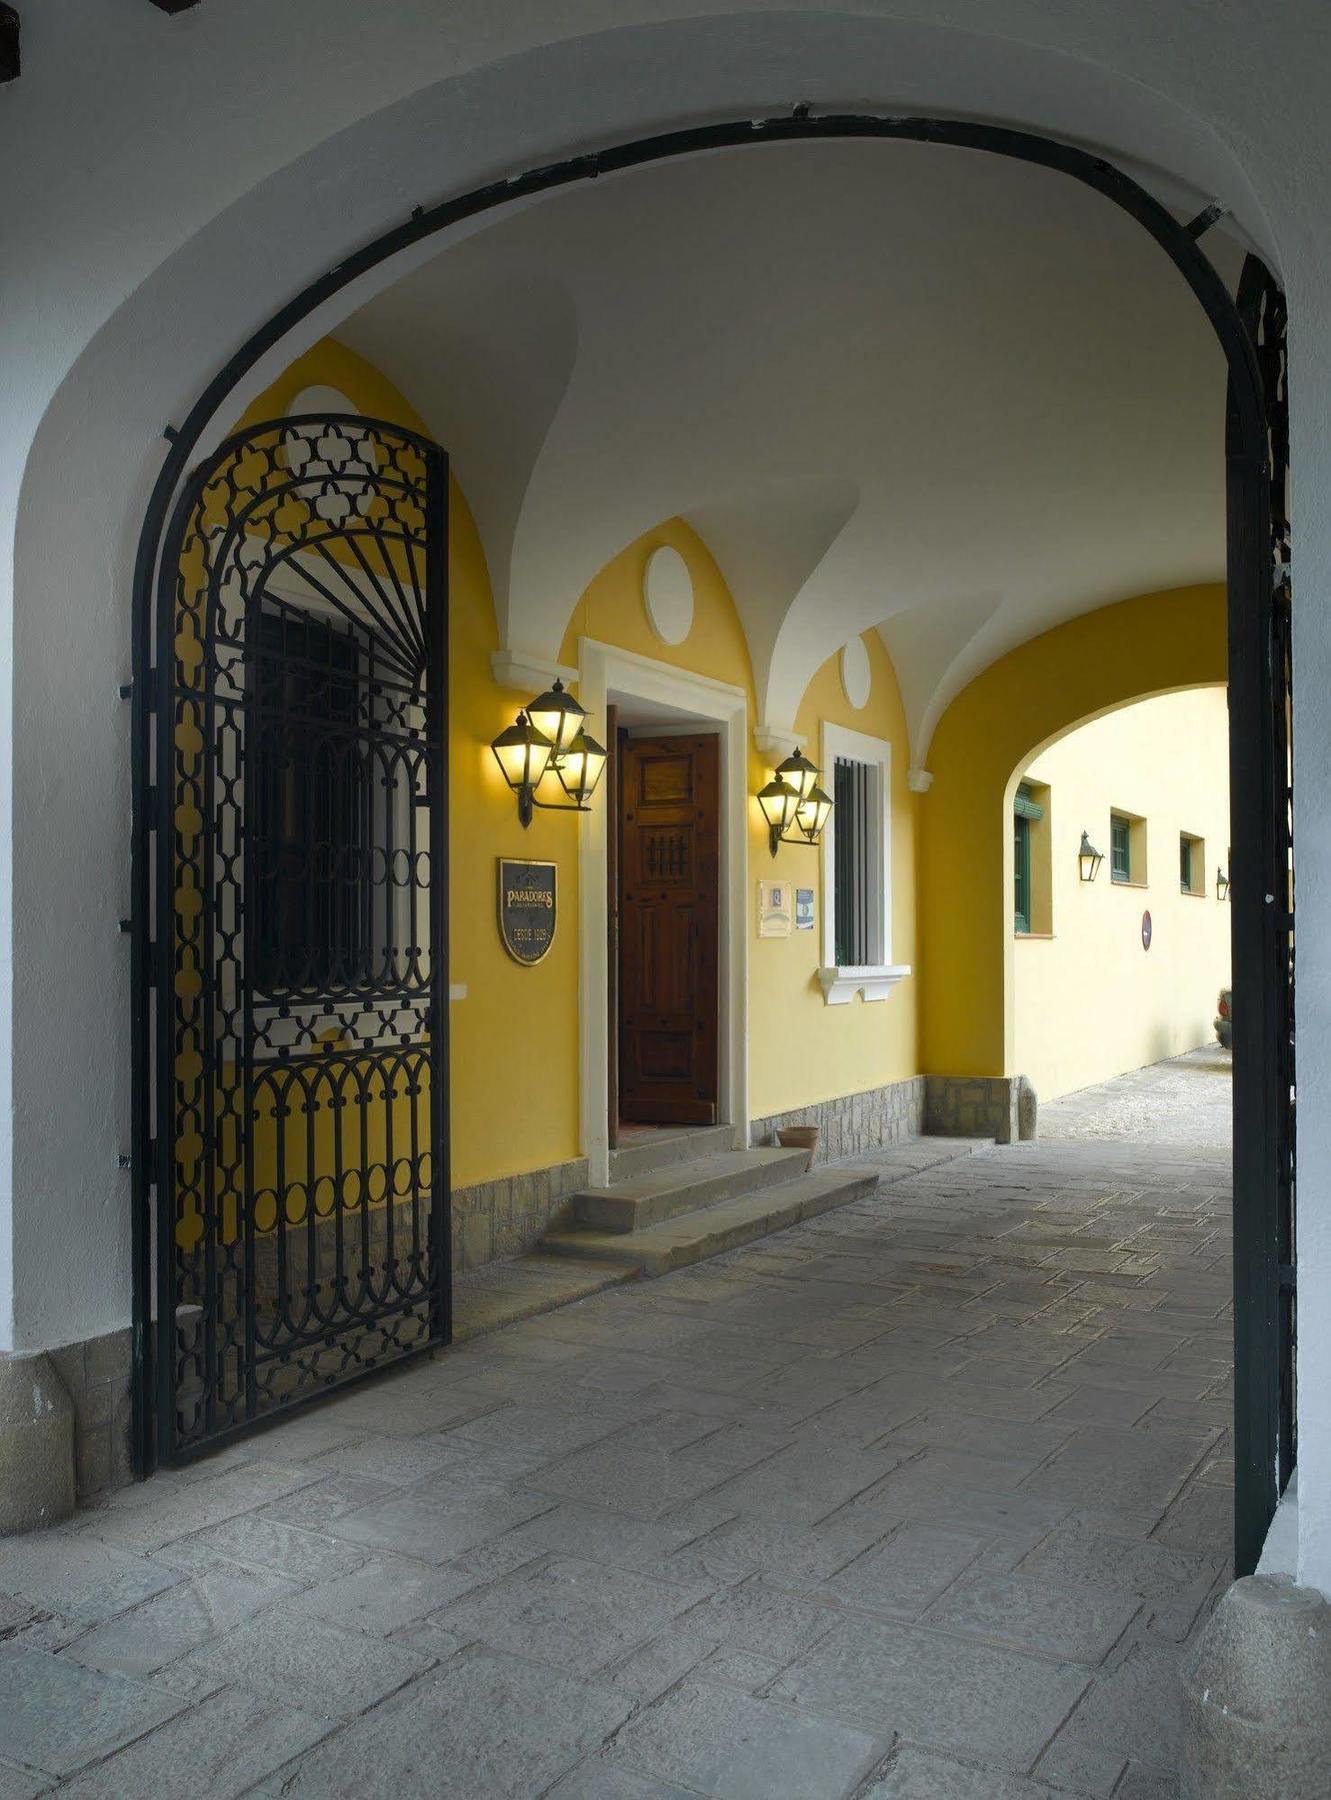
{"x":813,"y":813}
{"x":557,"y":716}
{"x":779,"y":802}
{"x":522,"y":754}
{"x":798,"y":772}
{"x":582,"y":768}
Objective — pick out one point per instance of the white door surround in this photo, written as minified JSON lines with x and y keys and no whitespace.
{"x":606,"y":673}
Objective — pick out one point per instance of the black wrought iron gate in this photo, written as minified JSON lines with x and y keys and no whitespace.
{"x":292,"y":798}
{"x":1261,"y":801}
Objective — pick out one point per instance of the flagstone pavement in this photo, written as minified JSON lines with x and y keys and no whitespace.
{"x":921,"y":1500}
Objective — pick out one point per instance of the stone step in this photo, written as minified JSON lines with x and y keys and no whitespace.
{"x":692,"y":1237}
{"x":639,"y":1156}
{"x":646,"y":1200}
{"x":501,"y":1293}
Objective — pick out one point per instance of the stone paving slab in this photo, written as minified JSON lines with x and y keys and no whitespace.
{"x":922,"y":1775}
{"x":935,"y":1689}
{"x":738,"y":1748}
{"x":148,"y":1637}
{"x":317,"y":1667}
{"x":916,"y":1565}
{"x":920,"y":1500}
{"x":489,"y":1725}
{"x":79,"y":1577}
{"x":1080,"y":1626}
{"x":55,"y":1715}
{"x":571,"y":1614}
{"x":222,"y":1747}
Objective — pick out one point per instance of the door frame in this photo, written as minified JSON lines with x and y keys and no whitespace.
{"x":603,"y":670}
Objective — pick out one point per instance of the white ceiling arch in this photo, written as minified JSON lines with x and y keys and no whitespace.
{"x":929,"y":390}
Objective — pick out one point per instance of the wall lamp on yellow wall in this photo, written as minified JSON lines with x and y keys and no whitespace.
{"x":1088,"y":858}
{"x":1221,"y":884}
{"x":549,"y":737}
{"x":794,"y":805}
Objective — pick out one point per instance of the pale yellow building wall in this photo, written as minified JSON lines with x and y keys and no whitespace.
{"x":1089,"y":1002}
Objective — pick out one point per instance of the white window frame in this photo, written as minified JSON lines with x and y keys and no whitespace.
{"x":875,"y":980}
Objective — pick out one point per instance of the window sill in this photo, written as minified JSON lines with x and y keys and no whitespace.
{"x":1193,"y":893}
{"x":874,"y":981}
{"x":1039,"y":937}
{"x":1118,"y":881}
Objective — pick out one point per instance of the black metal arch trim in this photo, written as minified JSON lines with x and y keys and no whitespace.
{"x":1258,"y":1111}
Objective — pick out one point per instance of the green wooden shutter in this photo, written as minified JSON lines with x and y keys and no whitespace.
{"x":1021,"y":867}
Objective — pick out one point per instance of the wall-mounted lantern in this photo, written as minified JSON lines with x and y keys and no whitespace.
{"x":1221,"y":884}
{"x":1088,"y":859}
{"x":550,"y":736}
{"x":794,"y":804}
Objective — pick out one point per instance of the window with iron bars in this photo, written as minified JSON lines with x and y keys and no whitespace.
{"x":859,"y":862}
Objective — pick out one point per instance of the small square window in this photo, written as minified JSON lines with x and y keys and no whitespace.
{"x":1120,"y":849}
{"x":1032,"y":903}
{"x":1021,"y":868}
{"x":1191,"y":863}
{"x":1127,"y":848}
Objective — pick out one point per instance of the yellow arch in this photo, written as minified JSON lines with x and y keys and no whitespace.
{"x":1151,"y":644}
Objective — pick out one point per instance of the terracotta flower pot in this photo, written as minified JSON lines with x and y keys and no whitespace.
{"x":799,"y":1137}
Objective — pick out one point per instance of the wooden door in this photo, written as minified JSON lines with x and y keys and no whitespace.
{"x":669,"y":926}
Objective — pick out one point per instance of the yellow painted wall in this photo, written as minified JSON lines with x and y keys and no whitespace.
{"x":1088,"y":1001}
{"x":491,"y":1136}
{"x":801,"y":1049}
{"x":1153,"y":643}
{"x":612,"y":611}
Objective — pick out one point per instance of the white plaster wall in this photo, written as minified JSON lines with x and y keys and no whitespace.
{"x":170,"y":181}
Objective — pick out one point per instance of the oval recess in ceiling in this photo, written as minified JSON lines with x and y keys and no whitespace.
{"x":856,"y":675}
{"x":667,"y":591}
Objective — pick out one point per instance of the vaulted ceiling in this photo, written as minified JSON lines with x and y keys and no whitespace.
{"x":952,"y":397}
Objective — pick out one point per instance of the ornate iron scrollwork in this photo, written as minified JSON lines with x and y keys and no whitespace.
{"x":300,"y":1037}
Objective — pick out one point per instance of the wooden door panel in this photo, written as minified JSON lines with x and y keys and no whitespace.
{"x":669,"y":912}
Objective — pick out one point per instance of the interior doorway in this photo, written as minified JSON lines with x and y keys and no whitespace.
{"x":664,"y":879}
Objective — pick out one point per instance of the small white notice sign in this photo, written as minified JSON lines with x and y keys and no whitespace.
{"x":776,"y":903}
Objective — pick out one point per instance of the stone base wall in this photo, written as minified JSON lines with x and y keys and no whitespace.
{"x":491,"y":1220}
{"x":507,"y":1217}
{"x":1002,"y":1107}
{"x":97,"y":1375}
{"x":854,"y":1122}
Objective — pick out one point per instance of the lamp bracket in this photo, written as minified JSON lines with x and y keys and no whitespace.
{"x":775,"y":837}
{"x":559,"y":805}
